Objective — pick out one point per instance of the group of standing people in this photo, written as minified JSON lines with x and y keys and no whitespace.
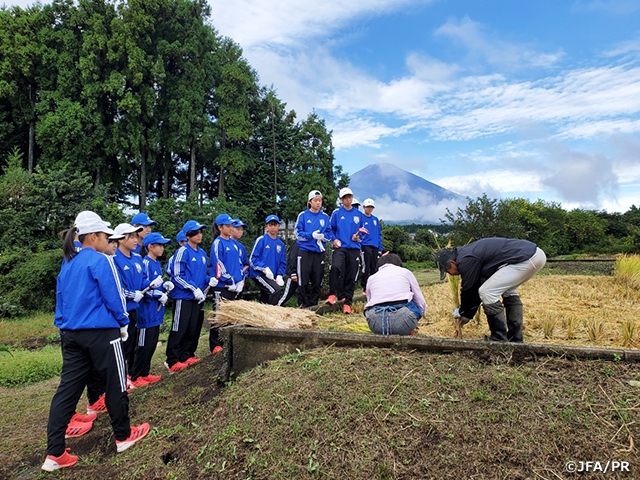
{"x":110,"y":299}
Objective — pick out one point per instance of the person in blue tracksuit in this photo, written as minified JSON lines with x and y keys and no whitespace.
{"x":129,"y":265}
{"x":371,"y":242}
{"x":313,"y":230}
{"x":151,"y":312}
{"x":143,"y":221}
{"x":346,"y":224}
{"x":268,"y":264}
{"x":190,"y":279}
{"x":92,"y":317}
{"x":236,"y":233}
{"x":181,"y":238}
{"x":227,"y":271}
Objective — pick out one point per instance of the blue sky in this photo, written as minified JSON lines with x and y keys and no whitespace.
{"x":537,"y":99}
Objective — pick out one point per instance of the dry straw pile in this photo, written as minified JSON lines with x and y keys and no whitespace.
{"x":242,"y":312}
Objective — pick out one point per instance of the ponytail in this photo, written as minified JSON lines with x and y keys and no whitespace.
{"x":69,"y":247}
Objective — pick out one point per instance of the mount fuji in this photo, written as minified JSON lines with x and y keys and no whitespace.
{"x":401,"y":196}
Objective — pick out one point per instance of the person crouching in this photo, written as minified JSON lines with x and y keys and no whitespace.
{"x":395,"y":303}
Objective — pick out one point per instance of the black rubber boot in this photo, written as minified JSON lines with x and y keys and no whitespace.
{"x":513,"y":308}
{"x":497,"y":322}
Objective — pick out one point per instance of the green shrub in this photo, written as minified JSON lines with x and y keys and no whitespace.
{"x":24,"y":367}
{"x":28,"y":281}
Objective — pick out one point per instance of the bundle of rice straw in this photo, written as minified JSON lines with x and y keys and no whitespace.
{"x":242,"y":312}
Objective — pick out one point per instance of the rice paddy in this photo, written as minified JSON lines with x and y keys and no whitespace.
{"x":565,"y":310}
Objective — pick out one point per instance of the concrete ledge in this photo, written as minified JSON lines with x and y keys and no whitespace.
{"x":246,"y":347}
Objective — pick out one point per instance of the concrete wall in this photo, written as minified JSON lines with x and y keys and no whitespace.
{"x":246,"y":347}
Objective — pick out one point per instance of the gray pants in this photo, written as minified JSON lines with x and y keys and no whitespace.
{"x":391,"y":320}
{"x":505,"y":281}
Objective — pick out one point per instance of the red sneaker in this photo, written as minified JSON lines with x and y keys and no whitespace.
{"x":51,"y":463}
{"x":97,"y":407}
{"x":77,"y":429}
{"x":331,"y":299}
{"x":217,"y":349}
{"x":137,"y":433}
{"x":176,"y":367}
{"x":80,"y":418}
{"x":192,"y":361}
{"x":346,"y":309}
{"x":152,"y":379}
{"x":138,"y":383}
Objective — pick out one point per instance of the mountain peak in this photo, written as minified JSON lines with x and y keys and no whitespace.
{"x":402,"y":196}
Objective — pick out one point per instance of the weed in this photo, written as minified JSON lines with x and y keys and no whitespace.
{"x":627,"y":329}
{"x":595,"y":330}
{"x":570,"y":325}
{"x":548,"y":326}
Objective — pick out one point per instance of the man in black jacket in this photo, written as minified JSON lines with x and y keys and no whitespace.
{"x":490,"y":268}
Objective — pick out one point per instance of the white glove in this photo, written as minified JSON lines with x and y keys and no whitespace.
{"x":156,"y":282}
{"x":337,"y":243}
{"x":168,"y":286}
{"x":318,"y":236}
{"x":232,"y":288}
{"x":213,"y":282}
{"x":456,"y":313}
{"x":137,"y":296}
{"x":239,"y":286}
{"x":163,"y":299}
{"x":124,"y":333}
{"x":198,"y":295}
{"x":279,"y":280}
{"x":268,"y":273}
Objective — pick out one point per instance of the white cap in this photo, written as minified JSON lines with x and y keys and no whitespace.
{"x":90,"y":222}
{"x":124,"y":229}
{"x":355,"y":201}
{"x":85,"y":216}
{"x":345,"y":191}
{"x":368,"y":202}
{"x":313,"y":194}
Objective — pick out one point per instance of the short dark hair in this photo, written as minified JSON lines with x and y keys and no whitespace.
{"x":193,"y":233}
{"x":392,"y":258}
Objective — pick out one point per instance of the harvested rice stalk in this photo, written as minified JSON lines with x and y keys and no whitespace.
{"x":242,"y":312}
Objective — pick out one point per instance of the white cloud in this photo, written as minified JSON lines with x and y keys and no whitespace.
{"x":251,"y":22}
{"x":480,"y":44}
{"x":426,"y":211}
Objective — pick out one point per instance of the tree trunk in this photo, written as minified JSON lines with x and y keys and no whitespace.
{"x":96,"y":182}
{"x":221,"y":179}
{"x":275,"y":166}
{"x":192,"y":168}
{"x":32,"y":132}
{"x":165,"y":176}
{"x":143,"y":179}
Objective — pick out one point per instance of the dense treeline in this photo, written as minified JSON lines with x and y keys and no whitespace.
{"x":149,"y":101}
{"x":555,"y":230}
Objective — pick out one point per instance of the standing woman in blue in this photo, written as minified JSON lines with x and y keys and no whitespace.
{"x":92,"y":318}
{"x":371,"y":242}
{"x":269,"y":264}
{"x":129,"y":265}
{"x":313,"y":231}
{"x":190,"y":279}
{"x":143,"y":221}
{"x":150,"y":313}
{"x":226,"y":270}
{"x":236,"y":233}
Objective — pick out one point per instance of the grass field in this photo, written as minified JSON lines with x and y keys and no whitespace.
{"x":369,"y":413}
